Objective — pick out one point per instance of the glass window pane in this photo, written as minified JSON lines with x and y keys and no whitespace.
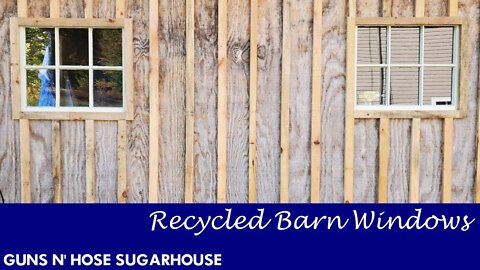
{"x":372,"y":45}
{"x":438,"y":45}
{"x":371,"y":86}
{"x":405,"y":45}
{"x":107,"y":47}
{"x":74,"y":88}
{"x":41,"y":88}
{"x":74,"y":47}
{"x":437,"y":86}
{"x":404,"y":85}
{"x":40,"y":46}
{"x":108,"y":88}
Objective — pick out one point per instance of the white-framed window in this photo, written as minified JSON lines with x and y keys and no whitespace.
{"x":73,"y":69}
{"x":406,"y":66}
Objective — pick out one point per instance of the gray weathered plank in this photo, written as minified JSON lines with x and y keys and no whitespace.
{"x":72,"y":8}
{"x":238,"y":100}
{"x":106,"y":161}
{"x":463,"y":173}
{"x":138,"y":142}
{"x":206,"y":72}
{"x":333,"y":103}
{"x":300,"y":100}
{"x":268,"y":100}
{"x":104,"y":9}
{"x":73,"y":161}
{"x":9,"y":156}
{"x":172,"y":100}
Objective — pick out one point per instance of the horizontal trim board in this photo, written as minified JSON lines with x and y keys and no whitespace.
{"x":72,"y":23}
{"x":73,"y":116}
{"x":408,"y":114}
{"x":429,"y":21}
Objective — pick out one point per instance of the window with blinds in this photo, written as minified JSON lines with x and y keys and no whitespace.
{"x":407,"y":67}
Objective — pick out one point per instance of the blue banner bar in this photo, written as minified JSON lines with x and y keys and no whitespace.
{"x":321,"y":236}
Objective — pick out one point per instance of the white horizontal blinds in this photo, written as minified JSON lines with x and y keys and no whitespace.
{"x":371,"y":56}
{"x":406,"y":65}
{"x":438,"y":80}
{"x":371,"y":85}
{"x":372,"y":45}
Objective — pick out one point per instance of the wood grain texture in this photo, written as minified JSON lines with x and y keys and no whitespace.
{"x":41,"y":161}
{"x":366,"y":136}
{"x":41,"y":135}
{"x":268,"y":100}
{"x":333,"y":103}
{"x":285,"y":103}
{"x":38,"y":8}
{"x":403,"y":8}
{"x":315,"y":144}
{"x":137,"y":148}
{"x":222,"y":102}
{"x":104,"y":9}
{"x":252,"y":144}
{"x":189,"y":100}
{"x":73,"y":161}
{"x":9,"y":130}
{"x":73,"y":8}
{"x":300,"y":100}
{"x":399,"y":165}
{"x":172,"y":100}
{"x":463,"y":167}
{"x":153,"y":183}
{"x":106,"y":161}
{"x":205,"y":101}
{"x":238,"y":100}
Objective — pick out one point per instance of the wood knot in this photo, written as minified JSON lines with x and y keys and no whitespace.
{"x":124,"y":194}
{"x":240,"y":53}
{"x":262,"y":52}
{"x":316,"y":142}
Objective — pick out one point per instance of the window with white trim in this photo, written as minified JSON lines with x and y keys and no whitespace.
{"x":72,"y":68}
{"x":407,"y":67}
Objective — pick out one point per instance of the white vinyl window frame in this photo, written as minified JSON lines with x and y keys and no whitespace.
{"x":20,"y":67}
{"x":456,"y":109}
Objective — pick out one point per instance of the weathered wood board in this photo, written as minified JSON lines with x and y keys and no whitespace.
{"x":206,"y":76}
{"x":172,"y":100}
{"x":9,"y":131}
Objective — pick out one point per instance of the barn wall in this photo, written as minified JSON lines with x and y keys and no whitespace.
{"x":170,"y":185}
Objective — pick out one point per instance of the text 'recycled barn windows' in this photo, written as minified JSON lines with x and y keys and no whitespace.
{"x":73,"y":69}
{"x":407,"y":67}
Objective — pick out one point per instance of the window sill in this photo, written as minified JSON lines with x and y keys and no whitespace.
{"x":75,"y":116}
{"x":392,"y":113}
